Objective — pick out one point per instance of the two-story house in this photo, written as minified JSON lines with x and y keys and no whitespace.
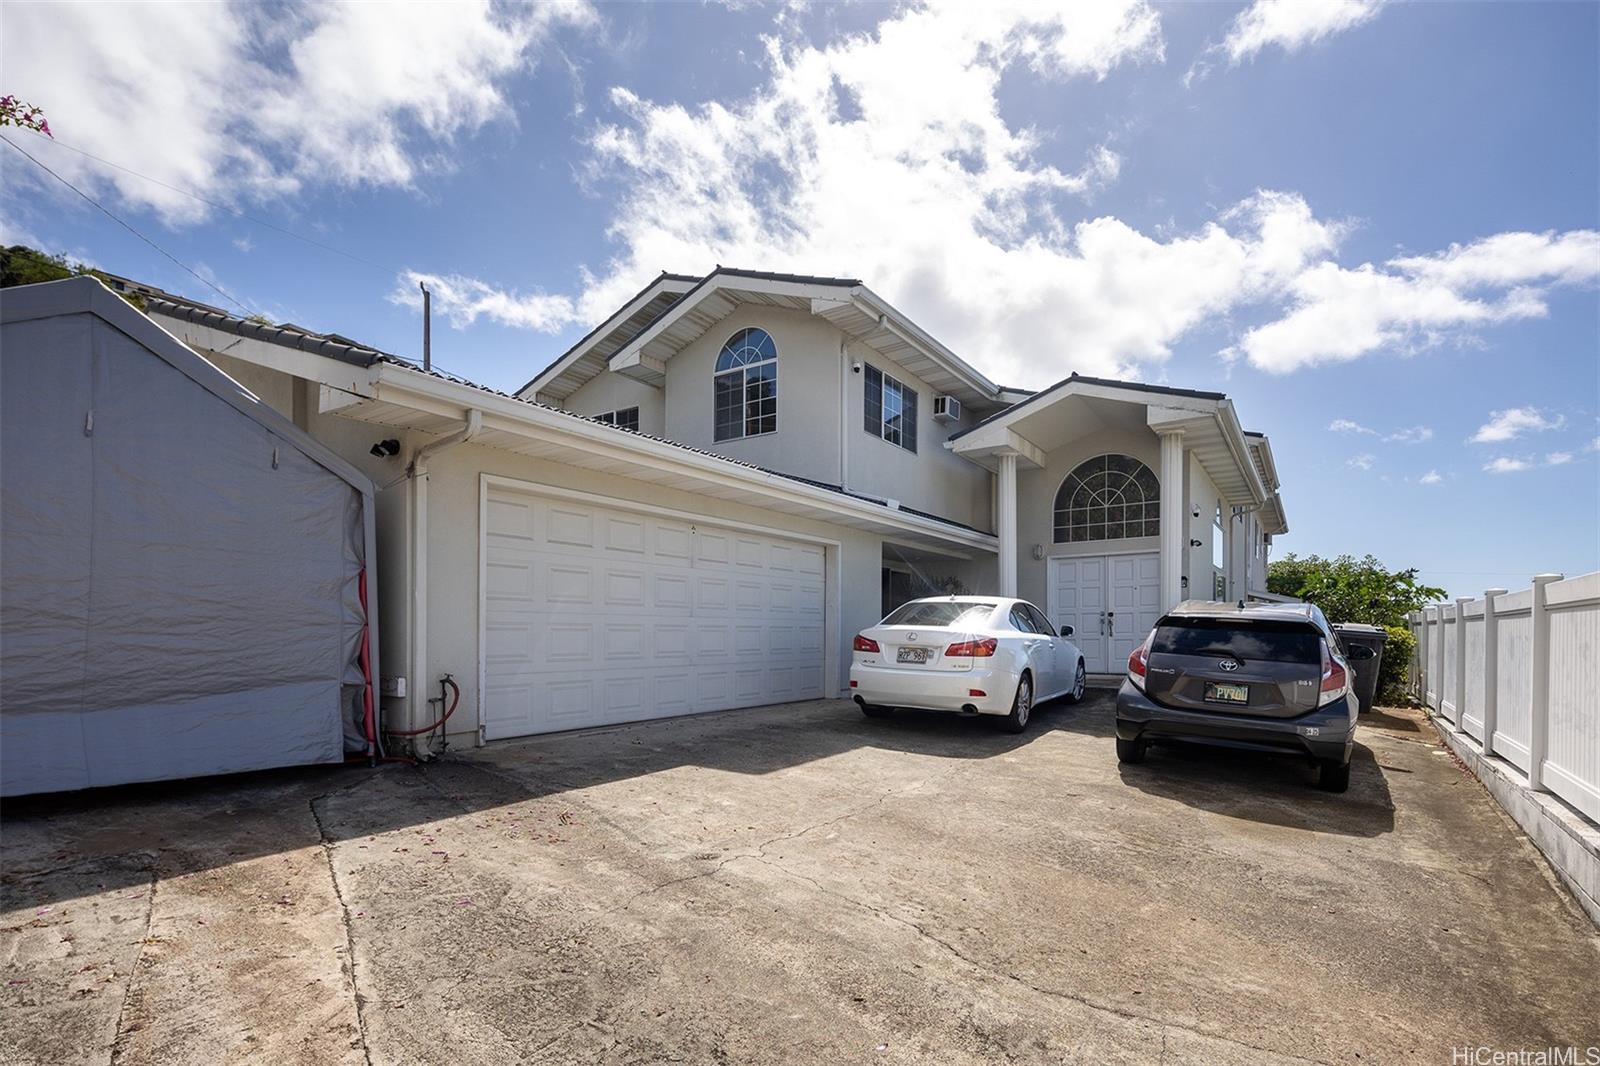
{"x":700,"y":503}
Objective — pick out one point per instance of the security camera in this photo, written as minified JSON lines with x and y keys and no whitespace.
{"x":385,"y":448}
{"x":1195,"y":513}
{"x":855,"y":368}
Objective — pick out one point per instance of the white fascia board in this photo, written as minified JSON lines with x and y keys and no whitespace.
{"x":345,"y":377}
{"x":916,"y":336}
{"x":600,"y":332}
{"x":628,"y":354}
{"x":439,"y":396}
{"x":1239,"y":445}
{"x":995,"y":440}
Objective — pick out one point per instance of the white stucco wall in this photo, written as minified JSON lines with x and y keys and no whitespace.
{"x":934,"y":478}
{"x":612,"y":392}
{"x":812,"y":431}
{"x":807,"y":440}
{"x":1036,"y":495}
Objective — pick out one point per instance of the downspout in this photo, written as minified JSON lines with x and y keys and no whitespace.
{"x":418,"y":472}
{"x":844,"y":414}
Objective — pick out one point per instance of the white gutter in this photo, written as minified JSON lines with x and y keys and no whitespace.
{"x":419,"y":567}
{"x":424,"y":393}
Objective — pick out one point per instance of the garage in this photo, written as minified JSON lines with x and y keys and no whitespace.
{"x":596,"y":612}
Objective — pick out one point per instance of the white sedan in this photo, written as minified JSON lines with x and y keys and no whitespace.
{"x":970,"y":654}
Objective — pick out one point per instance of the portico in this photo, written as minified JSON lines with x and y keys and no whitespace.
{"x":1116,"y":501}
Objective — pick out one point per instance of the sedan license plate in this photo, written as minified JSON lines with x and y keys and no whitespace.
{"x":911,"y":655}
{"x":1223,"y":692}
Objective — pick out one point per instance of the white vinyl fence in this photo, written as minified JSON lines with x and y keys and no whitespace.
{"x":1519,"y":672}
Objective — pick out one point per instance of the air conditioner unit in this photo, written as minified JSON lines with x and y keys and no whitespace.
{"x":946,"y":409}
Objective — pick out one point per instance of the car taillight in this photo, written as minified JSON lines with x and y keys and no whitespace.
{"x":865,"y":643}
{"x":1138,"y":662}
{"x":968,"y":649}
{"x":1333,"y":678}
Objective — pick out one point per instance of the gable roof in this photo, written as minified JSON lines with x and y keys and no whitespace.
{"x":636,"y":344}
{"x":1076,"y":378}
{"x":569,"y":370}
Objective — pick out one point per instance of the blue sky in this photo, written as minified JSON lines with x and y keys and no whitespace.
{"x":1373,"y":225}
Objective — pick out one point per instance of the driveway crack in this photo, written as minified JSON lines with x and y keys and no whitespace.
{"x":117,"y":1042}
{"x":349,"y":966}
{"x":996,"y":971}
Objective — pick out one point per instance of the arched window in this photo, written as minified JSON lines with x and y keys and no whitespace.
{"x":1107,"y":498}
{"x":746,"y":386}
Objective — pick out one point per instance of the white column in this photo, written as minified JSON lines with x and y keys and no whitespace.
{"x":1459,"y":696}
{"x":1422,"y":656}
{"x":1539,"y":662}
{"x":1006,"y":521}
{"x":1230,"y":570}
{"x":1491,"y":669}
{"x":1174,"y":523}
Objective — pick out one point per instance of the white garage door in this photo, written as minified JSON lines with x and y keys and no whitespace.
{"x":595,"y":614}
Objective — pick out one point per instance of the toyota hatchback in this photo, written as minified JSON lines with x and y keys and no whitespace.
{"x":1271,"y":677}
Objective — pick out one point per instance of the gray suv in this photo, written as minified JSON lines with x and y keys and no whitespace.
{"x":1270,"y":677}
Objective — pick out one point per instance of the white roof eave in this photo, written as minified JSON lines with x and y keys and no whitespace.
{"x":586,"y":443}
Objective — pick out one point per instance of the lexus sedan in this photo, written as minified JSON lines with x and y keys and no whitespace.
{"x":985,"y":655}
{"x":1269,"y":677}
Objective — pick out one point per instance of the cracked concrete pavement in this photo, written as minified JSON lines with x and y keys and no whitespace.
{"x":795,"y":884}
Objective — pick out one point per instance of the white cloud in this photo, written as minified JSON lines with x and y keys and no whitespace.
{"x":1512,"y":423}
{"x":1558,"y":458}
{"x":464,"y":300}
{"x":1338,"y":313}
{"x":1593,"y":445}
{"x":1411,"y":435}
{"x":1507,"y":465}
{"x":235,"y":101}
{"x":1361,"y":462}
{"x":1431,"y":478}
{"x":1292,"y":24}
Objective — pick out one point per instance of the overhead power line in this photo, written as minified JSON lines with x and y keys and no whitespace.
{"x":236,"y":212}
{"x":207,"y":282}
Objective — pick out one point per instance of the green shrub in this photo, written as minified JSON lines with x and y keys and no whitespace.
{"x":1397,"y":653}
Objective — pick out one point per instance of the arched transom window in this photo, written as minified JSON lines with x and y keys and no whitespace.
{"x":746,"y":386}
{"x":1107,"y":498}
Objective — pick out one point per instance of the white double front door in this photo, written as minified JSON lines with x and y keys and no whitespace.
{"x":1110,"y":601}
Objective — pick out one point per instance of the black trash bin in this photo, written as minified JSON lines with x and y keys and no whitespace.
{"x":1358,"y":634}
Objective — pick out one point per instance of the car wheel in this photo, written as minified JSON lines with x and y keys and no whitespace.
{"x":1079,"y":683}
{"x":1334,"y":777}
{"x":1131,"y":751}
{"x":1021,"y":706}
{"x":872,"y":710}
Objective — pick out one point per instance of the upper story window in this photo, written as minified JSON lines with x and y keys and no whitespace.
{"x":625,"y":418}
{"x":891,"y":409}
{"x":746,"y":386}
{"x":1107,"y":498}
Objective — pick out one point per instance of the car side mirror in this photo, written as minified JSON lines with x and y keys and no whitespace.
{"x":1360,"y":653}
{"x":1066,"y":631}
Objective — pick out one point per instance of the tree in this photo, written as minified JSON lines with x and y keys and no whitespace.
{"x":1360,"y":590}
{"x":21,"y":265}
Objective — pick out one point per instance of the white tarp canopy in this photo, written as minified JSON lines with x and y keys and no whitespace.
{"x":181,"y":567}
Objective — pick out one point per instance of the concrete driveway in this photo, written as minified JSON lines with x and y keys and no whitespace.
{"x":797,"y":884}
